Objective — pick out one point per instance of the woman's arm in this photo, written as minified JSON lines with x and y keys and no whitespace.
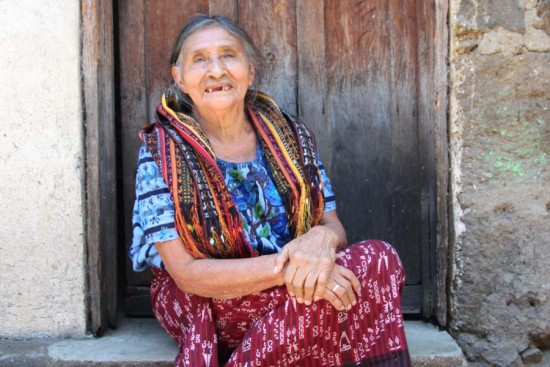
{"x":218,"y":278}
{"x":311,"y":258}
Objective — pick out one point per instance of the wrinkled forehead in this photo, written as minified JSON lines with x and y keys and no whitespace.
{"x":211,"y":39}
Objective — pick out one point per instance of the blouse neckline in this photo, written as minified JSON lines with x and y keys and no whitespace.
{"x":239,"y":165}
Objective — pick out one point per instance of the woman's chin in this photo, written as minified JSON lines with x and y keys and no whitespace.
{"x":220,"y":101}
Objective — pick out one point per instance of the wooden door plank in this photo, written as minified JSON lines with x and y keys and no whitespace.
{"x":99,"y":115}
{"x":426,"y":148}
{"x":90,"y":34}
{"x":227,"y":8}
{"x":357,"y":108}
{"x":404,"y":170}
{"x":163,"y":22}
{"x":310,"y":30}
{"x":272,"y":25}
{"x":433,"y":146}
{"x":133,"y":111}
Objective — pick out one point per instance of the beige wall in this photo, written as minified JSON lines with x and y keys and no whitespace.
{"x":41,"y":182}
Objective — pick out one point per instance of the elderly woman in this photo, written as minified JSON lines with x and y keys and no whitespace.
{"x":235,"y":215}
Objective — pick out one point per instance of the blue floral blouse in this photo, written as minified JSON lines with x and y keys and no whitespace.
{"x":262,"y":212}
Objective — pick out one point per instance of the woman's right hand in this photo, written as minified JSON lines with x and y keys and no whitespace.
{"x":342,"y":285}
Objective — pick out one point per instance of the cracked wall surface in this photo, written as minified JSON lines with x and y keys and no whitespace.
{"x":500,"y":140}
{"x":41,"y":150}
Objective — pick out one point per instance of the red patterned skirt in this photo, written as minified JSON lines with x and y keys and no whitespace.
{"x":270,"y":328}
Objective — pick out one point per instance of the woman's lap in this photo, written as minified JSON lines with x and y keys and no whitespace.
{"x":271,"y":329}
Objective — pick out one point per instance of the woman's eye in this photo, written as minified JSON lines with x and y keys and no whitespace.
{"x":198,"y":59}
{"x":228,"y":55}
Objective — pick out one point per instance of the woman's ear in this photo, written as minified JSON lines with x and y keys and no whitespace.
{"x":177,"y":78}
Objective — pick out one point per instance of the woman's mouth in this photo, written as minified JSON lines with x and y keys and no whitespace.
{"x":218,"y":88}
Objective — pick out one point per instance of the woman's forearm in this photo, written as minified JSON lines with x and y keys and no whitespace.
{"x":221,"y":278}
{"x":218,"y":278}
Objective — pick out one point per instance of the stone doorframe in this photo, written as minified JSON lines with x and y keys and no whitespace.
{"x":98,"y":78}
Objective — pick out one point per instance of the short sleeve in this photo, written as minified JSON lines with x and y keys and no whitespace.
{"x":153,"y":214}
{"x":328,"y":193}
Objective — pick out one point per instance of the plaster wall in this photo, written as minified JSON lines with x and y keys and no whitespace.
{"x":41,"y":185}
{"x":500,"y":141}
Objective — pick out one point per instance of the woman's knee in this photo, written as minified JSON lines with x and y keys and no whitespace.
{"x":375,"y":254}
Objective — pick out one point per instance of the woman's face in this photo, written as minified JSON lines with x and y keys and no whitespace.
{"x":213,"y":70}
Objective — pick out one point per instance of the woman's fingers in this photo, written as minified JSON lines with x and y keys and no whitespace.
{"x":309,"y":287}
{"x":321,"y":284}
{"x":350,"y":276}
{"x":306,"y":281}
{"x":310,"y":259}
{"x":299,"y":282}
{"x":341,"y":288}
{"x":290,"y":272}
{"x":334,"y":300}
{"x":307,"y":271}
{"x":338,"y":296}
{"x":344,"y":291}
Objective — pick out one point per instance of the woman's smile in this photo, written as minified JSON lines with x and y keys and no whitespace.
{"x":219,"y":87}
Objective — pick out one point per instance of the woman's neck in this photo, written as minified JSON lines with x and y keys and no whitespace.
{"x":231,"y":135}
{"x":225,"y":127}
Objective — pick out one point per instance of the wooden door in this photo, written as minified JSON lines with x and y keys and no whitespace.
{"x":354,"y":71}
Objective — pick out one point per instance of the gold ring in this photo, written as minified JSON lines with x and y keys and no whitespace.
{"x":335,"y":288}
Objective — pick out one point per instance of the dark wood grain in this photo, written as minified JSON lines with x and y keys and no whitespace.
{"x":310,"y":30}
{"x":358,"y":113}
{"x":163,"y":22}
{"x":133,"y":111}
{"x":404,"y":179}
{"x":272,"y":25}
{"x":432,"y":87}
{"x":227,"y":8}
{"x":101,"y":210}
{"x":426,"y":150}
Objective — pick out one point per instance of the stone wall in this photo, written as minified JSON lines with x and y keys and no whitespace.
{"x":500,"y":140}
{"x":42,"y":278}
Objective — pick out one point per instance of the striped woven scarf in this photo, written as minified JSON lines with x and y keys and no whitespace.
{"x":206,"y":216}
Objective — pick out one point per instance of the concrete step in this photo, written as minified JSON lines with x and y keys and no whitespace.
{"x":142,"y":343}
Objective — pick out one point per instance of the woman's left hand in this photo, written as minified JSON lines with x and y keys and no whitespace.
{"x":342,"y":287}
{"x":310,"y":260}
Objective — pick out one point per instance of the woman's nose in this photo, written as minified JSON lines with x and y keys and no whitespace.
{"x":216,"y":66}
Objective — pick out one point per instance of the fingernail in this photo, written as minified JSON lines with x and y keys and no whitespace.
{"x":300,"y":300}
{"x":316,"y":298}
{"x":354,"y":303}
{"x":349,"y":307}
{"x":307,"y":303}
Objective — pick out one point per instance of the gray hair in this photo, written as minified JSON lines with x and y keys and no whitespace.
{"x":182,"y":101}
